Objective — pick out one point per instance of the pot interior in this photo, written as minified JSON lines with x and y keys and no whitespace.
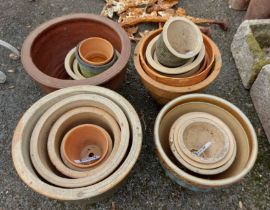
{"x":50,"y":47}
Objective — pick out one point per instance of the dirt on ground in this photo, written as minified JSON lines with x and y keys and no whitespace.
{"x":147,"y":186}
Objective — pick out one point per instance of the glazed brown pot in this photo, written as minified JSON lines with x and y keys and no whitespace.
{"x":178,"y":81}
{"x":164,"y":93}
{"x":50,"y":73}
{"x":83,"y":142}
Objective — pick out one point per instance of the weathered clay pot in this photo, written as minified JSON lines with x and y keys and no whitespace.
{"x":89,"y":70}
{"x":38,"y":143}
{"x":163,"y":93}
{"x":93,"y":193}
{"x":71,"y":29}
{"x":258,"y":9}
{"x":76,"y":69}
{"x":83,"y":142}
{"x":184,"y":137}
{"x":179,"y":80}
{"x":245,"y":137}
{"x":239,"y":4}
{"x":189,"y":66}
{"x":76,"y":117}
{"x":69,"y":63}
{"x":96,"y":51}
{"x":181,"y":39}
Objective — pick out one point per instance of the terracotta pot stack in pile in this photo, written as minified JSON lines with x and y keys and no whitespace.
{"x":176,"y":60}
{"x":77,"y":143}
{"x":60,"y":53}
{"x":204,"y":142}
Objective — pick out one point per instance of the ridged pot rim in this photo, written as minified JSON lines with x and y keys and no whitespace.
{"x":56,"y":83}
{"x":29,"y":176}
{"x":164,"y":159}
{"x":185,"y":89}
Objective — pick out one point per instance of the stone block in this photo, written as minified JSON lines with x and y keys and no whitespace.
{"x":250,"y":49}
{"x":260,"y":94}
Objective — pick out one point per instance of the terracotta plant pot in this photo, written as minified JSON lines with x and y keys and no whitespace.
{"x":181,"y":39}
{"x":89,"y":70}
{"x":84,"y":142}
{"x":245,"y":138}
{"x":258,"y":9}
{"x":239,"y":4}
{"x":188,"y":134}
{"x":39,"y":141}
{"x":71,"y":29}
{"x":189,"y":66}
{"x":76,"y":117}
{"x":93,"y":193}
{"x":96,"y":51}
{"x":179,"y":80}
{"x":163,"y":93}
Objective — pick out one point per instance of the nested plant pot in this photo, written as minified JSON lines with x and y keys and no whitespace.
{"x":243,"y":131}
{"x":163,"y":93}
{"x":85,"y":146}
{"x":179,"y":80}
{"x":180,"y":40}
{"x":38,"y":143}
{"x":74,"y":118}
{"x":193,"y":131}
{"x":91,"y":193}
{"x":55,"y":38}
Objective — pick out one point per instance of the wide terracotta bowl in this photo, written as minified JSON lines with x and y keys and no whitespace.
{"x":91,"y":193}
{"x":239,"y":124}
{"x":74,"y":118}
{"x":164,"y":93}
{"x":182,"y":79}
{"x":44,"y":50}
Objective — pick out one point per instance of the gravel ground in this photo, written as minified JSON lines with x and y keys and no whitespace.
{"x":147,"y":186}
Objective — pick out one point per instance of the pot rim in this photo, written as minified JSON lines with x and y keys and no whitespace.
{"x":29,"y":176}
{"x":195,"y":29}
{"x":192,"y":179}
{"x":55,"y":83}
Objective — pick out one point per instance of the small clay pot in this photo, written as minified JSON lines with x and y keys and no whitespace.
{"x":163,"y":93}
{"x":92,"y":193}
{"x":83,"y":142}
{"x":183,"y":79}
{"x":258,"y":9}
{"x":202,"y":127}
{"x":181,"y":39}
{"x":188,"y":66}
{"x":239,"y":4}
{"x":244,"y":133}
{"x":50,"y":74}
{"x":89,"y":70}
{"x":74,"y":118}
{"x":96,"y":51}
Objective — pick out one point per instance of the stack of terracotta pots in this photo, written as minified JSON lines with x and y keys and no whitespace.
{"x":204,"y":142}
{"x":176,"y":60}
{"x":77,"y":143}
{"x":48,"y":53}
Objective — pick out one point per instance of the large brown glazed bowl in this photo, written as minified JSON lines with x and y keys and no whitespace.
{"x":44,"y":50}
{"x":164,"y":93}
{"x":246,"y":142}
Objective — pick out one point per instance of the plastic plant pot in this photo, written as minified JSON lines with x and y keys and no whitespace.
{"x":180,"y":40}
{"x":74,"y":118}
{"x":93,"y":193}
{"x":245,"y":137}
{"x":50,"y":74}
